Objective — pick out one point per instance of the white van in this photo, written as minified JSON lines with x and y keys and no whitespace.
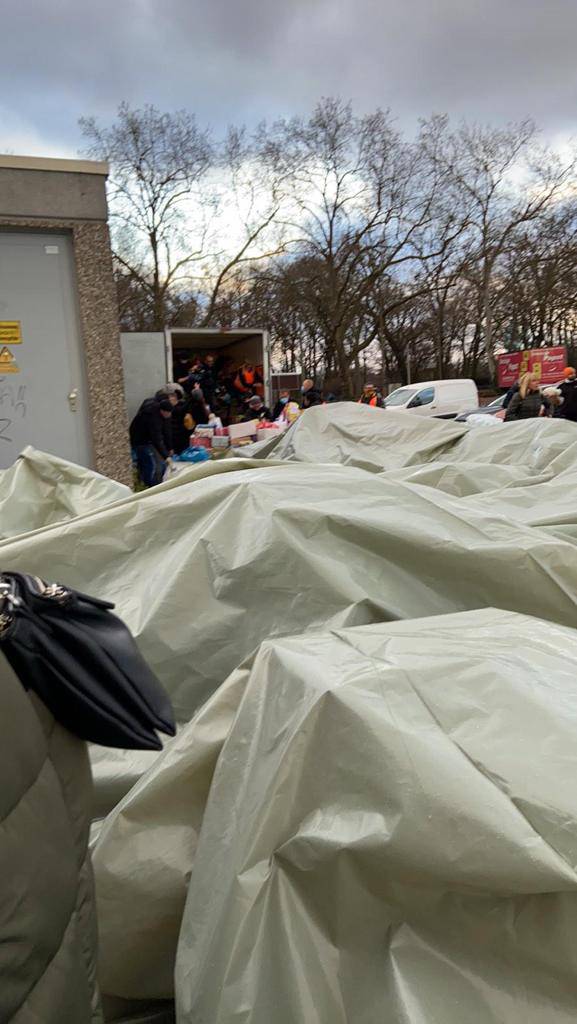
{"x":442,"y":398}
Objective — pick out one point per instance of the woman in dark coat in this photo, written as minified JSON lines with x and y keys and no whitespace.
{"x":527,"y":402}
{"x":186,"y":415}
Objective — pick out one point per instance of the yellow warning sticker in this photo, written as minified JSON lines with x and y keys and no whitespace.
{"x":8,"y":363}
{"x":10,"y":332}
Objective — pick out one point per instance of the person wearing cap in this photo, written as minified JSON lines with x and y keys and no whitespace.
{"x":150,"y":437}
{"x":256,"y":410}
{"x":568,"y":391}
{"x":371,"y":396}
{"x":174,"y":394}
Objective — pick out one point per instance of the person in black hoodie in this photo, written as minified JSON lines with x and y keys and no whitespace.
{"x":206,"y":379}
{"x":151,"y":439}
{"x":186,"y":415}
{"x":568,"y":391}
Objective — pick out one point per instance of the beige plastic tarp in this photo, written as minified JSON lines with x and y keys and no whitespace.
{"x":230,"y":554}
{"x":412,"y":447}
{"x":391,"y":832}
{"x":205,"y":568}
{"x":40,"y":489}
{"x":314,"y":547}
{"x":358,"y":435}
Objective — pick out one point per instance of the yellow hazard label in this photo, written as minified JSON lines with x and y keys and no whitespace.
{"x":8,"y":363}
{"x":10,"y":332}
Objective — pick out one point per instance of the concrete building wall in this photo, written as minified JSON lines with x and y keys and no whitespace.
{"x":69,"y":197}
{"x":41,"y":189}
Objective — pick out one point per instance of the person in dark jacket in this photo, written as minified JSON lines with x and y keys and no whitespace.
{"x":310,"y":395}
{"x":568,"y":389}
{"x":174,"y":394}
{"x":513,"y":390}
{"x":256,"y":410}
{"x":186,"y":415}
{"x":553,"y":402}
{"x":527,"y":402}
{"x":207,"y":379}
{"x":193,"y":376}
{"x":149,"y":434}
{"x":283,"y":401}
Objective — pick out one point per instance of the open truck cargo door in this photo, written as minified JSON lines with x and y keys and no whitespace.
{"x":154,"y":358}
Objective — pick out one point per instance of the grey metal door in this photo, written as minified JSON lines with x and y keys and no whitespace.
{"x":42,"y":386}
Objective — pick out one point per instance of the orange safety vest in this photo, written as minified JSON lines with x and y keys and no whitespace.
{"x":372,"y":401}
{"x":245,"y":380}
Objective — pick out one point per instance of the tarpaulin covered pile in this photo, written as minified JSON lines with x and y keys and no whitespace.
{"x":355,"y":518}
{"x":380,"y":823}
{"x":358,"y":435}
{"x":203,"y":570}
{"x":41,"y":489}
{"x":421,"y":449}
{"x":391,"y":832}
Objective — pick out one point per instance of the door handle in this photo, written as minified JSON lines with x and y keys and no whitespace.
{"x":72,"y":399}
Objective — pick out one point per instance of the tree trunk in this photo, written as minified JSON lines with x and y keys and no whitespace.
{"x":488,"y":322}
{"x":440,"y":339}
{"x":343,"y":367}
{"x":158,"y":315}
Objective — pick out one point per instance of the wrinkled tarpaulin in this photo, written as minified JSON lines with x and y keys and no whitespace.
{"x":391,"y":832}
{"x":41,"y":489}
{"x":384,"y":822}
{"x":229,"y":555}
{"x":204,"y":569}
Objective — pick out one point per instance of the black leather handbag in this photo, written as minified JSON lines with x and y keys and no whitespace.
{"x":82,"y":662}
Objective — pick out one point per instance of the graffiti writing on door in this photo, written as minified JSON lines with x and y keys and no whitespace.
{"x":12,"y":407}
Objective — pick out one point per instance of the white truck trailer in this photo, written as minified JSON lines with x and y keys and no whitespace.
{"x":152,"y":358}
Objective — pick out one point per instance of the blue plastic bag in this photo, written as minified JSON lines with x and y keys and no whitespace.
{"x":193,"y":454}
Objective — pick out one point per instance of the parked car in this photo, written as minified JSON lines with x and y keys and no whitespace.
{"x":495,"y":408}
{"x":444,"y":399}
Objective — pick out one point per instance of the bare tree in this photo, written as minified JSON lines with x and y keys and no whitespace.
{"x":500,"y":180}
{"x":158,"y":163}
{"x":349,"y":243}
{"x":251,"y":184}
{"x":187,"y":213}
{"x":539,"y":294}
{"x":360,"y":197}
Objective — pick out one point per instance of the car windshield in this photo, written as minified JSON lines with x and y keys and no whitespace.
{"x":497,"y":403}
{"x":401,"y":396}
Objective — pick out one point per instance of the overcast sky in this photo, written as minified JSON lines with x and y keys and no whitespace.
{"x":242,"y":60}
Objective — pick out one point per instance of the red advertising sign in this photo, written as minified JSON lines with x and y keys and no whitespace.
{"x":547,"y":363}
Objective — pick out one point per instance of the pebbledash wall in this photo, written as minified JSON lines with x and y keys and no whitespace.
{"x":69,"y":197}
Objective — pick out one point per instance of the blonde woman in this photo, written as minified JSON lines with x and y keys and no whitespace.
{"x":527,"y":402}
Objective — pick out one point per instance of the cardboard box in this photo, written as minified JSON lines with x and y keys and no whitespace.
{"x":200,"y":442}
{"x":236,"y":431}
{"x":267,"y":433}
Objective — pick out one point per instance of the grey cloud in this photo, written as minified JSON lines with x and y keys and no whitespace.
{"x":241,"y":60}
